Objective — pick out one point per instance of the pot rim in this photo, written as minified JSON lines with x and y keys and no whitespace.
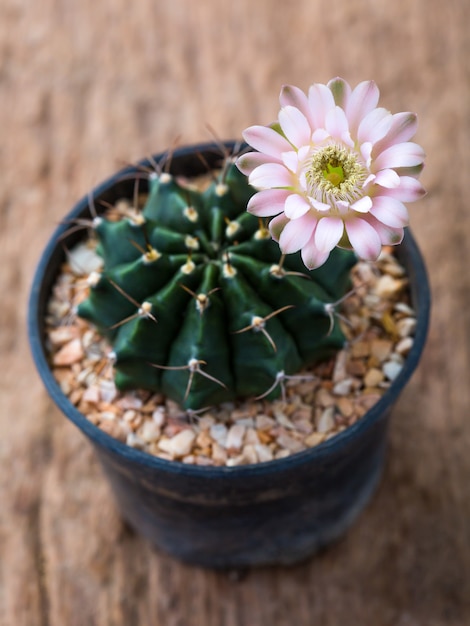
{"x":421,"y":304}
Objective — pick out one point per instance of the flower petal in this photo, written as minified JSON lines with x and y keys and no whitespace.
{"x":268,"y":202}
{"x":267,"y":140}
{"x":249,"y":161}
{"x":408,"y":190}
{"x":295,"y":126}
{"x":319,"y":206}
{"x":343,"y":206}
{"x":337,"y":126}
{"x":366,"y":152}
{"x":390,"y":212}
{"x":362,"y":100}
{"x":406,"y":154}
{"x":402,"y":129}
{"x":320,"y":101}
{"x":374,"y":126}
{"x":277,"y":225}
{"x":363,"y":238}
{"x":363,"y":205}
{"x":340,"y":90}
{"x":295,"y":97}
{"x":388,"y":236}
{"x":296,"y":233}
{"x":312,"y":256}
{"x":388,"y":179}
{"x":296,"y":206}
{"x":291,"y":160}
{"x":328,"y":233}
{"x":319,"y":135}
{"x":270,"y":175}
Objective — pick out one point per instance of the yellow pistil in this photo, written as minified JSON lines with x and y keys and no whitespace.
{"x":333,"y":174}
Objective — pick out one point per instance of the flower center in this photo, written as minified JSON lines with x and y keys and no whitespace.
{"x":335,"y":173}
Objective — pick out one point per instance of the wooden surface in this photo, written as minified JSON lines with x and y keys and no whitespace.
{"x":86,"y":85}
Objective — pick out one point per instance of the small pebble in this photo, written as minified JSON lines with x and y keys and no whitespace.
{"x":381,"y":349}
{"x":235,"y":436}
{"x":387,"y":286}
{"x":150,"y":431}
{"x":343,"y":388}
{"x":326,"y":421}
{"x":159,"y":416}
{"x":264,"y":453}
{"x":63,"y":334}
{"x":108,"y":391}
{"x":218,"y":432}
{"x":391,"y":369}
{"x":373,"y":378}
{"x":406,"y":326}
{"x":264,"y":422}
{"x":179,"y":445}
{"x":404,"y":346}
{"x":84,"y":260}
{"x":290,"y":443}
{"x":71,"y":352}
{"x":92,"y":395}
{"x":314,"y":439}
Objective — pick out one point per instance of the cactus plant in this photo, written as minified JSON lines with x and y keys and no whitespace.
{"x":197,"y":300}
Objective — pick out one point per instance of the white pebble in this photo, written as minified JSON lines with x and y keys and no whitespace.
{"x":264,"y":422}
{"x":391,"y":369}
{"x":264,"y":452}
{"x":404,"y":346}
{"x":282,"y":418}
{"x":343,"y":388}
{"x":180,"y":444}
{"x":251,"y":436}
{"x":340,"y":371}
{"x":108,"y":390}
{"x":150,"y":431}
{"x":129,"y":401}
{"x":134,"y":441}
{"x":290,"y":443}
{"x":326,"y":421}
{"x":218,"y":433}
{"x":249,"y":422}
{"x":91,"y":395}
{"x":235,"y":436}
{"x":406,"y":326}
{"x":388,"y":286}
{"x":402,"y":307}
{"x":159,"y":416}
{"x":206,"y":421}
{"x":84,"y":260}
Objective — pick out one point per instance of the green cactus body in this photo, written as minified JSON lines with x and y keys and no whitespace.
{"x":195,"y":302}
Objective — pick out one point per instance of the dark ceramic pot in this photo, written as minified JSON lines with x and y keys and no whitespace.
{"x":276,"y":512}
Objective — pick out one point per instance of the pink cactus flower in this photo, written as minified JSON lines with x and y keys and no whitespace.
{"x":334,"y":171}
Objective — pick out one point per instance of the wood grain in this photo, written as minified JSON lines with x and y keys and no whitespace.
{"x":87,"y":85}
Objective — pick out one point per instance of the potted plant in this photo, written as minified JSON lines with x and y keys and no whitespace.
{"x":204,"y":301}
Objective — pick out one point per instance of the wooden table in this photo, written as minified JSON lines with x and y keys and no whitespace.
{"x":85,"y":86}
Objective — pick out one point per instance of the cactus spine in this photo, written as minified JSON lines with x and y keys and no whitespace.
{"x":198,"y":302}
